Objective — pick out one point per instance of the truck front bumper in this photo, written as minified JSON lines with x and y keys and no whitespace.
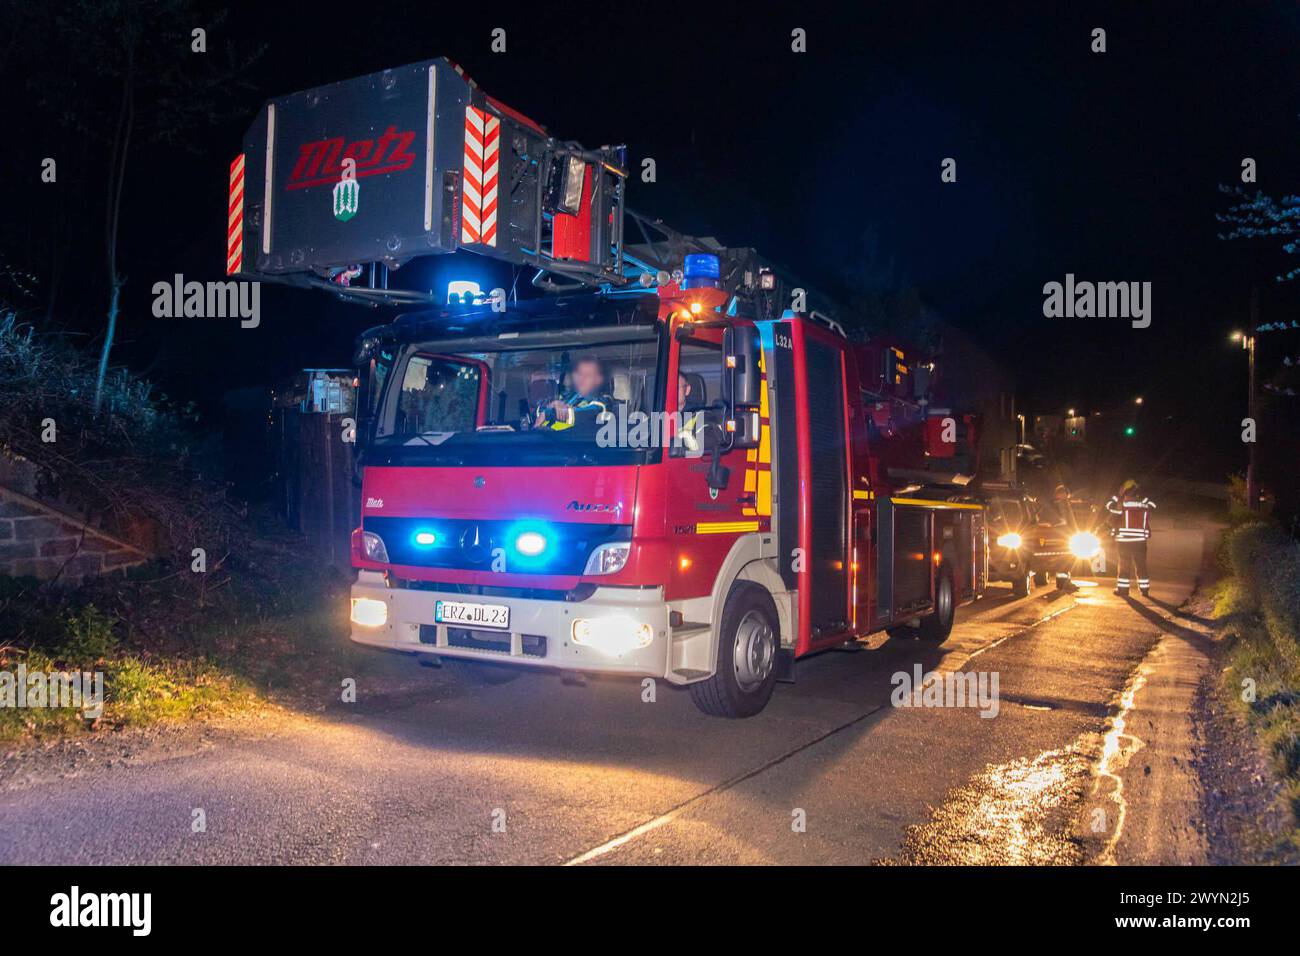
{"x":540,"y":634}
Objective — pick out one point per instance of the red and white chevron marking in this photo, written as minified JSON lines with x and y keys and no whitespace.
{"x":235,"y":222}
{"x":478,"y":214}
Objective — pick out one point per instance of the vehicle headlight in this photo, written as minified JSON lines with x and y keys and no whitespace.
{"x":1084,"y":544}
{"x":613,"y":635}
{"x":1010,"y":540}
{"x":372,"y":547}
{"x":369,"y":612}
{"x":608,"y":558}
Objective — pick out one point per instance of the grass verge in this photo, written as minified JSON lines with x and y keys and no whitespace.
{"x":1257,"y":608}
{"x":276,"y":631}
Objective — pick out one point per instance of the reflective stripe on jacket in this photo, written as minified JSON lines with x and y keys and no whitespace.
{"x":1136,"y":518}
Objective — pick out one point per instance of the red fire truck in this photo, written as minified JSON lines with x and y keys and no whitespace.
{"x":666,"y":461}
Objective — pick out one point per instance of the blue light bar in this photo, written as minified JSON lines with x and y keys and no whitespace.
{"x":702,"y":269}
{"x":458,"y":289}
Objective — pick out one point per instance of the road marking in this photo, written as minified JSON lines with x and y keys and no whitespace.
{"x":676,"y":811}
{"x":664,"y":818}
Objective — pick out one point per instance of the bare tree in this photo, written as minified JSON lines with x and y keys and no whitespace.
{"x":129,"y":73}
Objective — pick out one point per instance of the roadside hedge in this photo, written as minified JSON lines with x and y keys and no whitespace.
{"x":1266,"y":564}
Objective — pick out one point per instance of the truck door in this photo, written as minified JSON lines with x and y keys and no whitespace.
{"x":819,"y":418}
{"x":703,"y":524}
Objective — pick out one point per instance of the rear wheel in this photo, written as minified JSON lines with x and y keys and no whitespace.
{"x":937,"y":625}
{"x":1040,"y":578}
{"x":747,"y":648}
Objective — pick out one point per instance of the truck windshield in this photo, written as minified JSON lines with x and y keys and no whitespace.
{"x":542,"y":404}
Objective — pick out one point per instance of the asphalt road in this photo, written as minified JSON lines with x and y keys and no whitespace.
{"x":540,"y":771}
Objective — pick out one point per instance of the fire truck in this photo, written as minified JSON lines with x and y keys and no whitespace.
{"x":661,"y":458}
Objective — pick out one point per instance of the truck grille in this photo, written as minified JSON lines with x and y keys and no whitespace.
{"x":496,"y":642}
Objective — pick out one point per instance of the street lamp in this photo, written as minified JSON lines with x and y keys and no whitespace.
{"x":1138,"y":400}
{"x":1247,"y":340}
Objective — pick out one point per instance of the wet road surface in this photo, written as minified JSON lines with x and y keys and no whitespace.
{"x":540,"y":771}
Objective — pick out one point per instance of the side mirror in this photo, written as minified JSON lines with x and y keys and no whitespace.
{"x":742,"y":383}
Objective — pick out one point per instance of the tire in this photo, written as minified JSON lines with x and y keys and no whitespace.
{"x":1024,"y":586}
{"x":937,"y":625}
{"x":1040,"y":578}
{"x":748,"y":643}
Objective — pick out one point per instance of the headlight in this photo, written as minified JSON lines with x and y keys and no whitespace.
{"x":1084,"y":544}
{"x":612,"y":635}
{"x":1010,"y":540}
{"x":372,"y":548}
{"x":608,"y":558}
{"x":368,"y":612}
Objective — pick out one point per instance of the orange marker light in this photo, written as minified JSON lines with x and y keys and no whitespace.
{"x":683,"y":563}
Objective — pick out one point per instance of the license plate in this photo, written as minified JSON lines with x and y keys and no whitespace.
{"x":472,"y":615}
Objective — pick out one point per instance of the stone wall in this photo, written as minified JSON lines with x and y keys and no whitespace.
{"x":38,"y":541}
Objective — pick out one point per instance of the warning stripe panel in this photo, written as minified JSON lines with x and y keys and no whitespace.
{"x":481,"y":177}
{"x":235,"y":217}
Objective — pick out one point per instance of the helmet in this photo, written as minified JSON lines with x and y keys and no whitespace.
{"x":1128,"y":486}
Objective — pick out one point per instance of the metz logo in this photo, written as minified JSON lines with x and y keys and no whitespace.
{"x":320,"y":163}
{"x":374,"y":502}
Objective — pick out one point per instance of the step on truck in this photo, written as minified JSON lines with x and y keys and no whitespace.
{"x":658,"y":459}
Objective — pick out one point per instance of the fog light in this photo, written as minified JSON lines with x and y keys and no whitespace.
{"x":1084,"y":544}
{"x":613,"y":636}
{"x":368,"y":612}
{"x":1010,"y":540}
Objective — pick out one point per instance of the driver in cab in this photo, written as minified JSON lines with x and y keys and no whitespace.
{"x":585,"y":406}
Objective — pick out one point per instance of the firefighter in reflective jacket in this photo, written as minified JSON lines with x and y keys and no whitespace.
{"x":1132,"y":531}
{"x":585,"y":407}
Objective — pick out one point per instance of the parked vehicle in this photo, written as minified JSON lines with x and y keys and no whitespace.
{"x":1033,"y":543}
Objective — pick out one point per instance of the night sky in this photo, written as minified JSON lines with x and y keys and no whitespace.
{"x":1068,"y":161}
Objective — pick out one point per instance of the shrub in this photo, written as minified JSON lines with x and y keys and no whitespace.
{"x":88,"y":637}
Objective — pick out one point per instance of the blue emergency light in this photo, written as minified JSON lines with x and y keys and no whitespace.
{"x":702,"y":270}
{"x":463,"y":291}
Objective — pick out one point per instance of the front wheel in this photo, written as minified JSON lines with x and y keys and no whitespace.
{"x":1023,"y":585}
{"x":747,"y":646}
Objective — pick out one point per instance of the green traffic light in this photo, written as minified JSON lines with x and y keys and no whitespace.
{"x":1130,"y":431}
